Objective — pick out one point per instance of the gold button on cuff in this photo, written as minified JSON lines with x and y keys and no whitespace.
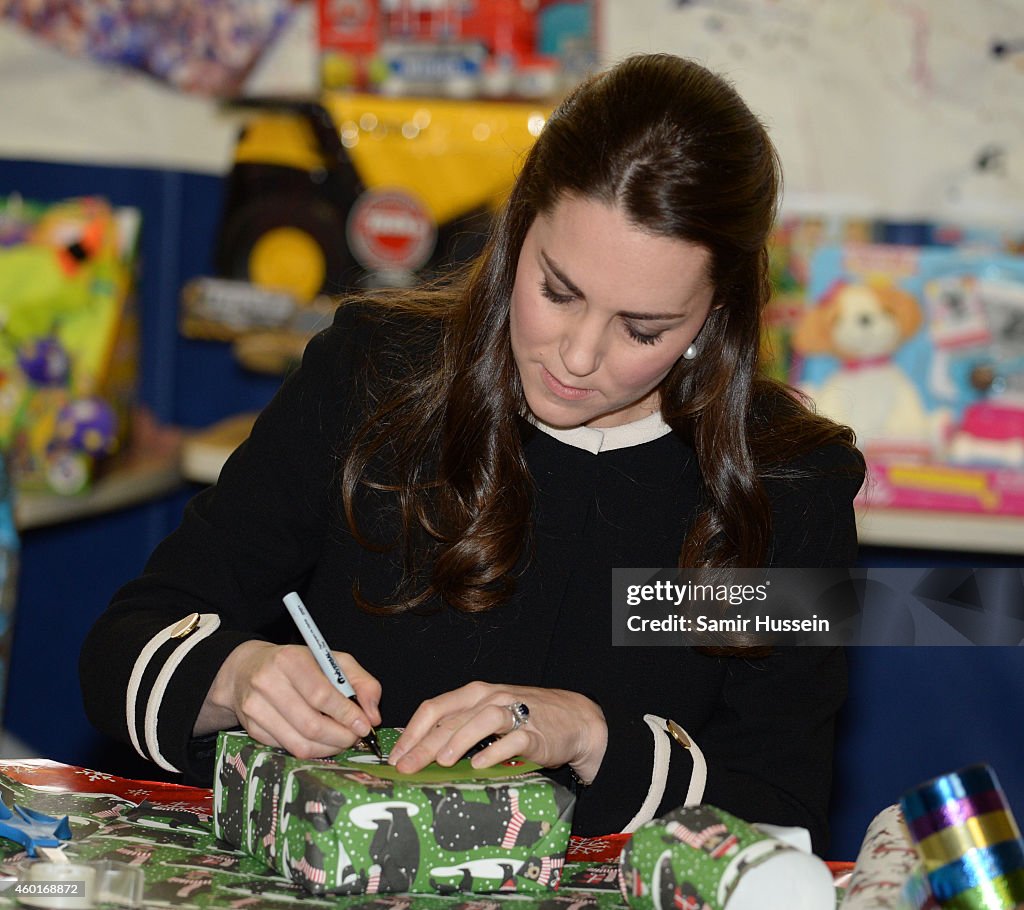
{"x":677,"y":733}
{"x":186,"y":627}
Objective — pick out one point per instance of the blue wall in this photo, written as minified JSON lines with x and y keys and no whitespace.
{"x":916,"y":713}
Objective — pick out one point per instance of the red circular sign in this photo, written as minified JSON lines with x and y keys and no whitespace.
{"x":391,"y":229}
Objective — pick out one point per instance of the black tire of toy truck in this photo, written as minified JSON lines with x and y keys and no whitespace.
{"x":319,"y":222}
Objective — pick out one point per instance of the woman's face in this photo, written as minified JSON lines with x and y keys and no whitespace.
{"x":600,"y":313}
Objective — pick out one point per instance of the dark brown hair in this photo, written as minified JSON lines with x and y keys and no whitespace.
{"x":677,"y":150}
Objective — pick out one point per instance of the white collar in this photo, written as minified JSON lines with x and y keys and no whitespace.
{"x":605,"y":439}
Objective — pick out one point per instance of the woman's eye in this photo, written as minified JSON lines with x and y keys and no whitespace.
{"x":640,"y":337}
{"x":553,"y":295}
{"x":556,"y":297}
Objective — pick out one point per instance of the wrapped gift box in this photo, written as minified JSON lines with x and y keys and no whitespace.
{"x":350,"y":825}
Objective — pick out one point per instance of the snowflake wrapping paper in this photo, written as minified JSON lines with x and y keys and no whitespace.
{"x":350,"y":825}
{"x":165,"y":830}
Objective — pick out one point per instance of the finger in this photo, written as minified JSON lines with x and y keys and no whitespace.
{"x":367,"y":687}
{"x":409,"y":755}
{"x":343,"y":710}
{"x":502,"y":749}
{"x":422,"y":731}
{"x":287,"y":736}
{"x":491,"y":722}
{"x":480,"y":746}
{"x":423,"y":720}
{"x":292,"y":715}
{"x":450,"y":738}
{"x":436,"y":709}
{"x":304,"y":676}
{"x":263,"y":735}
{"x":260,"y":733}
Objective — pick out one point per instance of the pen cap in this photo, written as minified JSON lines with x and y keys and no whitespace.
{"x":297,"y":609}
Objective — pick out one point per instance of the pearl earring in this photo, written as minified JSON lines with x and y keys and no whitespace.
{"x":690,"y":352}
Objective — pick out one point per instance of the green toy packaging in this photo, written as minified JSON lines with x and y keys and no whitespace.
{"x":68,"y":338}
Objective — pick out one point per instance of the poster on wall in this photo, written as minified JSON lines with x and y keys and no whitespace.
{"x":908,"y":109}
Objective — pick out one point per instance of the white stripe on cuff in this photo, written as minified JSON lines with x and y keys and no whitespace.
{"x":135,"y":680}
{"x":208,"y":624}
{"x":659,"y":773}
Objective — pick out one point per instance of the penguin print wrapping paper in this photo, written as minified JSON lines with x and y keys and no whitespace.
{"x":350,"y":825}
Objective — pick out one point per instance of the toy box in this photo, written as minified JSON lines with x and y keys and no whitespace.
{"x":921,"y":351}
{"x":456,"y":49}
{"x":68,"y":338}
{"x":791,"y":249}
{"x":350,"y":825}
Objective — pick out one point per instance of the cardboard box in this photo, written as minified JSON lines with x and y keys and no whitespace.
{"x":350,"y":825}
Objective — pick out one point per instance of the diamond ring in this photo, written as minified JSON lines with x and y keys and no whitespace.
{"x":520,"y":715}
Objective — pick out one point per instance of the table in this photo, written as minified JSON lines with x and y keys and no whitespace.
{"x":165,"y":829}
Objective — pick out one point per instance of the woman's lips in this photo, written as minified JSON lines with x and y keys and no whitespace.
{"x":568,"y":392}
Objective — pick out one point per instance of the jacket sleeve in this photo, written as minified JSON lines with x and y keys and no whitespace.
{"x":769,"y":744}
{"x":145,"y":669}
{"x":768,"y":739}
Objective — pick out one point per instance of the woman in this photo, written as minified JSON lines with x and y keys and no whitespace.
{"x":452,"y":473}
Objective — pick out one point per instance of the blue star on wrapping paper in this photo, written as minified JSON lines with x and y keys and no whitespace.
{"x":32,"y":829}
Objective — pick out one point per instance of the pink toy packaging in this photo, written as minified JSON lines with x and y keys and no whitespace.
{"x":921,"y":351}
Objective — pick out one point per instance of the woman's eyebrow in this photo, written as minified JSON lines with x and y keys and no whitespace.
{"x":575,"y":291}
{"x":561,"y":276}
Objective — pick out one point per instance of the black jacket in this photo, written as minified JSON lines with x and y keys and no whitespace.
{"x":273,"y":524}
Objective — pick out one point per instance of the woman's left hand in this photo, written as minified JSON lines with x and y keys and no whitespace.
{"x":563,"y":728}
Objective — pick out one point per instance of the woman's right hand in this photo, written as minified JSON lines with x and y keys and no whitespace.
{"x":281,"y":697}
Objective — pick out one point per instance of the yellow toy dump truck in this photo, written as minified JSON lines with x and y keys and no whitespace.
{"x":355,"y":190}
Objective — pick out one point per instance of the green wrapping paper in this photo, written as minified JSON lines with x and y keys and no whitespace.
{"x":350,"y":825}
{"x":701,"y":858}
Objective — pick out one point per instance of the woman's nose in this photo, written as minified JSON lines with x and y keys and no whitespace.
{"x":581,"y":347}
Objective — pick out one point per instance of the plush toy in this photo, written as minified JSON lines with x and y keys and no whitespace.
{"x":862,"y":326}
